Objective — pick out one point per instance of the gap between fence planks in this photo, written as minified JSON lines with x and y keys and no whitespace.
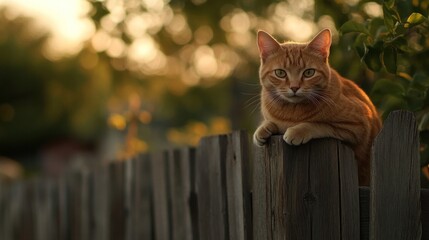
{"x":228,"y":189}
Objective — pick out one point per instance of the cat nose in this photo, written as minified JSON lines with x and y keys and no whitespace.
{"x":294,"y":89}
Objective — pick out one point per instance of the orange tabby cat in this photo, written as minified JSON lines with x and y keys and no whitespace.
{"x":303,"y":98}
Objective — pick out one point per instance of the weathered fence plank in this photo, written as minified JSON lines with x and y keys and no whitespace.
{"x":425,"y":213}
{"x":321,"y":191}
{"x":323,"y":197}
{"x":45,"y":209}
{"x":218,"y":192}
{"x":211,"y":188}
{"x":18,"y":219}
{"x":180,"y":183}
{"x":144,"y":198}
{"x":238,"y":181}
{"x":100,"y":202}
{"x":349,"y":193}
{"x":193,"y":199}
{"x":161,"y":196}
{"x":116,"y":203}
{"x":300,"y":192}
{"x":364,"y":202}
{"x":395,"y":183}
{"x":261,"y":195}
{"x":70,"y":206}
{"x":278,"y":188}
{"x":130,"y":201}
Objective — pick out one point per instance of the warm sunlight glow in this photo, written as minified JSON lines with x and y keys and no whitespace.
{"x":154,"y":5}
{"x":136,"y":25}
{"x":65,"y":20}
{"x":203,"y":35}
{"x":204,"y":62}
{"x":297,"y":28}
{"x":117,"y":48}
{"x":240,"y":22}
{"x":294,"y":19}
{"x":143,"y":49}
{"x":373,"y":9}
{"x":101,"y":41}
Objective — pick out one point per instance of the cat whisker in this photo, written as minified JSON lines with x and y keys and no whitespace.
{"x":251,"y":101}
{"x":249,"y":93}
{"x":323,"y":98}
{"x":255,"y":108}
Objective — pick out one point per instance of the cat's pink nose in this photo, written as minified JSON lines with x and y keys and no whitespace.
{"x":294,"y":89}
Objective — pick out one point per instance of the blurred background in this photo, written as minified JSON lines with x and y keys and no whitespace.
{"x":103,"y":80}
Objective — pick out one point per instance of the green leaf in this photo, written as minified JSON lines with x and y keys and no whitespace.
{"x":391,"y":103}
{"x":360,"y":45}
{"x":352,"y":26}
{"x":388,"y":87}
{"x":390,"y":3}
{"x":372,"y":59}
{"x":390,"y":59}
{"x":420,"y":80}
{"x":389,"y":19}
{"x":401,"y":44}
{"x":415,"y":19}
{"x":416,"y":93}
{"x":424,"y":122}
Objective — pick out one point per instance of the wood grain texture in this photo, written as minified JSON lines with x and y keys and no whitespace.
{"x":100,"y":202}
{"x":238,"y":186}
{"x":299,"y":199}
{"x":424,"y":194}
{"x":18,"y":221}
{"x":211,"y":188}
{"x":116,"y":203}
{"x":228,"y":189}
{"x":180,"y":187}
{"x":301,"y":192}
{"x":278,"y":188}
{"x":190,"y":154}
{"x":46,"y":209}
{"x":349,"y":193}
{"x":364,"y":202}
{"x":143,"y":210}
{"x":161,"y":196}
{"x":261,"y":194}
{"x":395,"y":183}
{"x":324,"y":187}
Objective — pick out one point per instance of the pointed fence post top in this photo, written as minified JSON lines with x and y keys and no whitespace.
{"x":395,"y":180}
{"x":399,"y":122}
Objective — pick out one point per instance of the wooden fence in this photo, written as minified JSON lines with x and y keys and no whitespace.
{"x":228,"y":189}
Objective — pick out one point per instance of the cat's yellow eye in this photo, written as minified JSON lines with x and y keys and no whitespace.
{"x":280,"y":73}
{"x":309,"y":72}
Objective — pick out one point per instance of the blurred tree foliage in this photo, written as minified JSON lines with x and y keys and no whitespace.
{"x":193,"y":65}
{"x":395,"y":48}
{"x":39,"y":99}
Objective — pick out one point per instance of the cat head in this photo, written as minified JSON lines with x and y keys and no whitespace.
{"x":295,"y":72}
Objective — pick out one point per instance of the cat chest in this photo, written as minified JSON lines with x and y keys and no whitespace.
{"x":285,"y":121}
{"x":282,"y":125}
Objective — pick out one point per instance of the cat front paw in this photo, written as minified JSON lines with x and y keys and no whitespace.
{"x":297,"y":135}
{"x":259,"y":141}
{"x":261,"y":135}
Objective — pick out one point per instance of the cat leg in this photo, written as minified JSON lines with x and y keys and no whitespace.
{"x":304,"y":132}
{"x":263,"y":132}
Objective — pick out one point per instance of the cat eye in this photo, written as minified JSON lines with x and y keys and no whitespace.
{"x":280,"y":73}
{"x":309,"y":72}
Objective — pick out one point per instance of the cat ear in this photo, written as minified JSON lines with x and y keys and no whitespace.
{"x":321,"y":43}
{"x":267,"y":44}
